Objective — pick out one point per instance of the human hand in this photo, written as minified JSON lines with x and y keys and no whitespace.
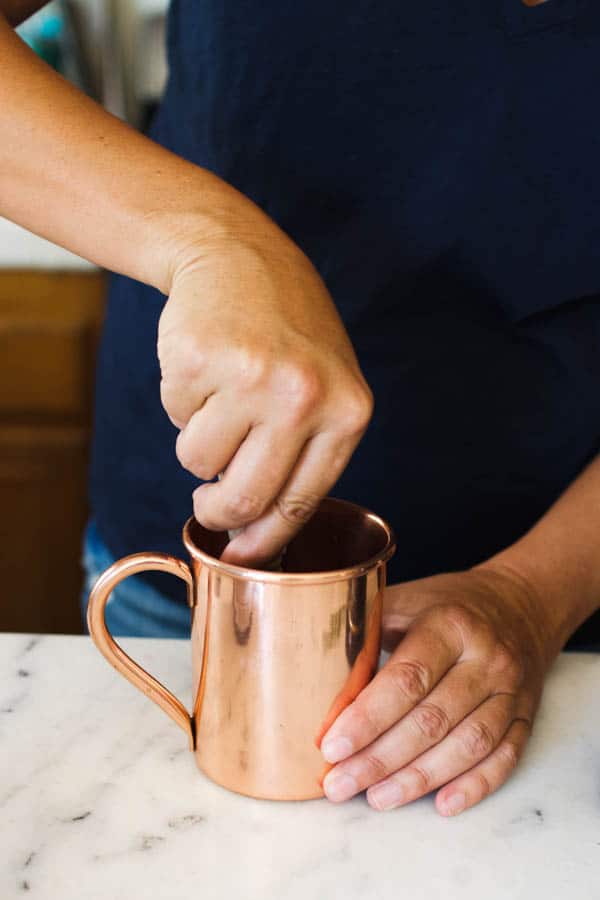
{"x":260,"y":376}
{"x":454,"y":705}
{"x":257,"y":369}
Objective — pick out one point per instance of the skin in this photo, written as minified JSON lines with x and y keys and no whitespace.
{"x":259,"y":376}
{"x":258,"y":372}
{"x":453,"y":707}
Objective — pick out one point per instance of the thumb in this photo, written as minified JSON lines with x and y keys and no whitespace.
{"x":402,"y":603}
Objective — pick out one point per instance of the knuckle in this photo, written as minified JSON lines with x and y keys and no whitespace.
{"x":242,"y":508}
{"x":182,"y":452}
{"x":357,"y":410}
{"x":411,"y":678}
{"x":375,"y":768}
{"x":459,"y":618}
{"x":508,"y":753}
{"x":431,"y":721}
{"x":181,"y":355}
{"x":303,"y":390}
{"x":477,"y":740}
{"x":296,"y":509}
{"x":202,"y":515}
{"x":365,"y":719}
{"x":422,"y":778}
{"x":170,"y":397}
{"x":506,"y":664}
{"x":202,"y":469}
{"x":191,"y":458}
{"x":485,"y":788}
{"x":253,"y":371}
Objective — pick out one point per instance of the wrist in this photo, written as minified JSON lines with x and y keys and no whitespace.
{"x":204,"y":213}
{"x":555,"y":612}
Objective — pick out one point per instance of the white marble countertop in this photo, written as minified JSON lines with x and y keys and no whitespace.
{"x":100,"y":798}
{"x":20,"y":249}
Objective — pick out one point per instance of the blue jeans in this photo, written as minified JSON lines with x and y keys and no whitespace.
{"x":135,"y":608}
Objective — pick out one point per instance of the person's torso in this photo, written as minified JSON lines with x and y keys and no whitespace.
{"x":438,"y":164}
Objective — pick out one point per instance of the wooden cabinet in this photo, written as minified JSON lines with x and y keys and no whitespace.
{"x":49,"y":327}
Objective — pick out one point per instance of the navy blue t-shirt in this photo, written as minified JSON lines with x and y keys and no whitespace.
{"x":438,"y":163}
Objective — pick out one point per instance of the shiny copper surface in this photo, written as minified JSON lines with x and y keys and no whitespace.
{"x":276,"y":656}
{"x":131,"y":565}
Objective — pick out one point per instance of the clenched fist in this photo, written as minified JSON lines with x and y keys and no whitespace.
{"x":260,"y":376}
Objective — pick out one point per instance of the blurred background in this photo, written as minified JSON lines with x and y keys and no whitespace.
{"x":51,"y":308}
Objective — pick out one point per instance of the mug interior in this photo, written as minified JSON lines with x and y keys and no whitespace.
{"x":340,"y":535}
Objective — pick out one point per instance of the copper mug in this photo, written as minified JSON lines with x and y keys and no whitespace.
{"x":276,"y":656}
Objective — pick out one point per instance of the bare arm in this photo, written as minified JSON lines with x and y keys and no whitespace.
{"x":560,"y":558}
{"x":454,"y":706}
{"x":79,"y":176}
{"x":258,"y":372}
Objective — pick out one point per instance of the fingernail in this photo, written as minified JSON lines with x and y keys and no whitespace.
{"x":386,"y":795}
{"x":454,"y":804}
{"x":340,"y":787}
{"x":336,"y":749}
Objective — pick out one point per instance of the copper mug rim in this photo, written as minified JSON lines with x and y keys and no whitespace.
{"x":314,"y":621}
{"x":316,"y":577}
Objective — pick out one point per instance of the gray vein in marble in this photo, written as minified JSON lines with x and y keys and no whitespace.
{"x":531,"y":816}
{"x":186,"y":821}
{"x":149,"y":841}
{"x":102,"y":800}
{"x":78,"y":818}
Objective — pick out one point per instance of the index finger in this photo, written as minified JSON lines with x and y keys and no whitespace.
{"x":321,"y":462}
{"x":420,"y":661}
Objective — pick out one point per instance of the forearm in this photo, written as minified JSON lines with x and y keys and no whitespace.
{"x":80,"y":177}
{"x":560,"y":557}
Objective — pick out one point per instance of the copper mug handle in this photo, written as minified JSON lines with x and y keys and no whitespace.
{"x":116,"y":656}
